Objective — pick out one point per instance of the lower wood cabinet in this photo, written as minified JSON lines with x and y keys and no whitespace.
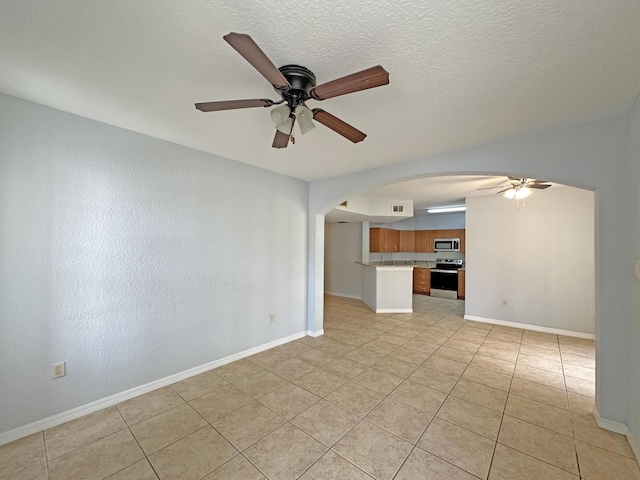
{"x":461,"y":281}
{"x":422,"y":280}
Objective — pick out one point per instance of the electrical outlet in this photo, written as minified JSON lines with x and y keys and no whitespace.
{"x":504,"y":303}
{"x":272,"y":317}
{"x":58,"y":370}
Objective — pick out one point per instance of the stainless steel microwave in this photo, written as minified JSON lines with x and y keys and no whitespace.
{"x":446,"y":245}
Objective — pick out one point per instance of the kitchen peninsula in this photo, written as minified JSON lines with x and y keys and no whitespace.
{"x":387,"y":288}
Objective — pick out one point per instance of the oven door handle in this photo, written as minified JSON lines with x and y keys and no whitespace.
{"x":443,"y":271}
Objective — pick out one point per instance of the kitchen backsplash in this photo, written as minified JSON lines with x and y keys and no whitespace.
{"x":416,"y":257}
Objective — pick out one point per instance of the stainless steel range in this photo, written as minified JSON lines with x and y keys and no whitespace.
{"x":444,"y":278}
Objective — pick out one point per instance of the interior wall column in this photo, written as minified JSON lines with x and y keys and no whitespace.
{"x":315,"y":290}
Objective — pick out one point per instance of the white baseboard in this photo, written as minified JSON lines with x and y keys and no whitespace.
{"x":617,"y":427}
{"x":60,"y":418}
{"x":526,"y":326}
{"x":317,"y":333}
{"x":620,"y":428}
{"x":635,"y":446}
{"x":394,"y":310}
{"x":336,"y":294}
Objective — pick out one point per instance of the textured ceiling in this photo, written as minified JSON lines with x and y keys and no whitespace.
{"x":462,"y":73}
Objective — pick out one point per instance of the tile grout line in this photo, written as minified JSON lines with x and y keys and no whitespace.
{"x":573,"y":432}
{"x":46,"y":455}
{"x":495,"y":447}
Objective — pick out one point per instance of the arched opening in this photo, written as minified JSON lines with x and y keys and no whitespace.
{"x":534,"y":266}
{"x":572,"y":196}
{"x":529,"y":254}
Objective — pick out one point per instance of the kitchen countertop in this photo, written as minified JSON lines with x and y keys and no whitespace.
{"x":399,"y":263}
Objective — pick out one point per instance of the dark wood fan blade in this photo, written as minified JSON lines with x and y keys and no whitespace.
{"x":338,"y":126}
{"x":233,"y":104}
{"x":245,"y":46}
{"x":506,"y":189}
{"x":281,"y":140}
{"x":369,"y":78}
{"x":491,"y":188}
{"x":540,"y":186}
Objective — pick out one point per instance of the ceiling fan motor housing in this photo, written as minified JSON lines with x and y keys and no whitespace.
{"x":301,"y":79}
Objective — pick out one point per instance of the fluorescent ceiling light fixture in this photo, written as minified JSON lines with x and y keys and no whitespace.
{"x":454,"y":208}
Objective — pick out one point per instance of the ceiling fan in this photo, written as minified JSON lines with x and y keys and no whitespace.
{"x":295,"y":85}
{"x":519,"y":188}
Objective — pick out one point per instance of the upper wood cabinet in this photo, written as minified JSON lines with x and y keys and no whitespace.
{"x":384,"y":240}
{"x":424,"y":241}
{"x":407,"y":240}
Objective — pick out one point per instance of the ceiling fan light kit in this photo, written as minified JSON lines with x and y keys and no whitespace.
{"x":517,"y":192}
{"x":304,"y":117}
{"x":296,"y":84}
{"x":520,"y":188}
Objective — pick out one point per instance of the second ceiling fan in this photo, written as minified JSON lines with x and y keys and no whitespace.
{"x":519,"y":188}
{"x":296,"y":84}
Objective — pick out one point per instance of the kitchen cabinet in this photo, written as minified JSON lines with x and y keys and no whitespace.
{"x":424,"y":241}
{"x":384,"y":240}
{"x":461,"y":280}
{"x":422,"y":280}
{"x":407,"y":240}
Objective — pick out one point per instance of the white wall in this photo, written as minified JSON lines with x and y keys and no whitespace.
{"x":431,"y":221}
{"x":634,"y":324}
{"x":342,"y":249}
{"x":593,"y":155}
{"x":540,"y":257}
{"x":133,"y":259}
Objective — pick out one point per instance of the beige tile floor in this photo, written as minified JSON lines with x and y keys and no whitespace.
{"x":426,"y":395}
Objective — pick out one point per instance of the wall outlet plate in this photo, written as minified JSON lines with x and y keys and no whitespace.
{"x":272,"y":317}
{"x":58,"y":370}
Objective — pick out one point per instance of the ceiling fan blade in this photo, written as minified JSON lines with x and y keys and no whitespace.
{"x":233,"y":104}
{"x":369,"y":78}
{"x":540,"y":186}
{"x":505,"y":190}
{"x":281,"y":140}
{"x":338,"y":126}
{"x":245,"y":46}
{"x":491,"y":188}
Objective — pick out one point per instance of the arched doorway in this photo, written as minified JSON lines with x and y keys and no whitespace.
{"x":579,"y":156}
